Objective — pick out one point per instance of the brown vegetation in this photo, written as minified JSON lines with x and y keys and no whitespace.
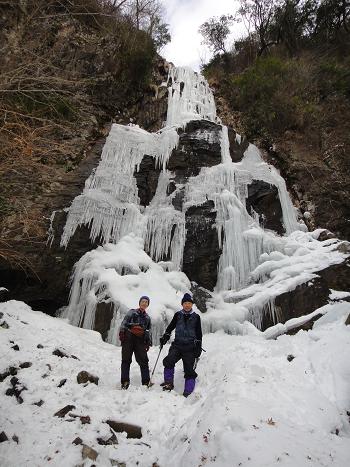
{"x":66,"y":68}
{"x":289,"y":92}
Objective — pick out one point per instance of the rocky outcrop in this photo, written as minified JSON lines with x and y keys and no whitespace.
{"x":310,"y":296}
{"x":201,"y":252}
{"x":337,"y":276}
{"x":199,"y":146}
{"x":147,"y":179}
{"x":316,"y":172}
{"x":40,"y":271}
{"x":32,"y":262}
{"x":103,"y":318}
{"x":238,"y":145}
{"x":263,"y":199}
{"x":200,"y":296}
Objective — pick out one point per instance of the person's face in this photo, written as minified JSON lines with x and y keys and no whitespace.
{"x":143,"y":304}
{"x":187,"y":306}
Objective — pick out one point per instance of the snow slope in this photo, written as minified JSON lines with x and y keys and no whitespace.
{"x":252,"y":406}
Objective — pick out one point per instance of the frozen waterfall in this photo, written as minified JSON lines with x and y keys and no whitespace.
{"x":110,"y":206}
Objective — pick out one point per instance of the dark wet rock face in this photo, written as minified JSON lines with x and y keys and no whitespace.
{"x":263,"y":199}
{"x":45,"y":284}
{"x":199,"y":146}
{"x":103,"y":318}
{"x":304,"y":299}
{"x":337,"y":276}
{"x":147,"y":177}
{"x":200,"y":296}
{"x":201,"y":252}
{"x":237,"y":147}
{"x":310,"y":296}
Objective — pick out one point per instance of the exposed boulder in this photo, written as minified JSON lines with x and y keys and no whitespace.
{"x":133,"y":431}
{"x":63,"y":412}
{"x":60,"y":353}
{"x":85,"y":419}
{"x":201,"y":252}
{"x":107,"y":441}
{"x":89,"y":453}
{"x":264,"y":199}
{"x":77,"y":441}
{"x":85,"y":377}
{"x":62,"y":382}
{"x":3,"y":437}
{"x":16,"y":389}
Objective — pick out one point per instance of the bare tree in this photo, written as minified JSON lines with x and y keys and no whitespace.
{"x":215,"y":32}
{"x":257,"y":16}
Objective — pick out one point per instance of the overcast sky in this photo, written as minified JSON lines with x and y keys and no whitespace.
{"x":184,"y":18}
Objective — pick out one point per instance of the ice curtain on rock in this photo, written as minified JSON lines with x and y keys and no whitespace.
{"x":198,"y":190}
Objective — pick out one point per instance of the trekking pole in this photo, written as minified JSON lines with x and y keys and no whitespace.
{"x":197,"y":360}
{"x":154,"y":369}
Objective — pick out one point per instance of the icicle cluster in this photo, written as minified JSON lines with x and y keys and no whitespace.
{"x":190,"y":97}
{"x":109,"y":202}
{"x":109,"y":205}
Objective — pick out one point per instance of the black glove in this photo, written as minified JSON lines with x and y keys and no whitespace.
{"x":198,"y":349}
{"x":147,"y":338}
{"x":164,"y":339}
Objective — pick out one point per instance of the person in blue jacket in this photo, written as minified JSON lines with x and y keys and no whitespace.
{"x":187,"y":345}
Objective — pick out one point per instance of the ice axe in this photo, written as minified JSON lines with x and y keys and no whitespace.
{"x":154,"y":369}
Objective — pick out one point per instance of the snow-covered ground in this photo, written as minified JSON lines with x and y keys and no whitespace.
{"x":252,"y":406}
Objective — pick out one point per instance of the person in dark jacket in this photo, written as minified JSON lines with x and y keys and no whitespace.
{"x":186,"y":346}
{"x":135,"y":337}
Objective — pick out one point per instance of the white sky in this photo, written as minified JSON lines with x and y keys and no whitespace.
{"x":184,"y":18}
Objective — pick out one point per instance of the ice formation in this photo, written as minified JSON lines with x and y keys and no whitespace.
{"x":109,"y":205}
{"x":189,"y":98}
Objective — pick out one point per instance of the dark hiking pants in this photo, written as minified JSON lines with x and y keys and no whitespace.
{"x":186,"y":353}
{"x":134,"y":344}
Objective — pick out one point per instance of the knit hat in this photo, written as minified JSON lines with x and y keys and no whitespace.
{"x":186,"y":298}
{"x":144,"y":297}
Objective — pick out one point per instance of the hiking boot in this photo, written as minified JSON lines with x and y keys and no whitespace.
{"x":125,"y":385}
{"x":167,"y":386}
{"x":148,"y":384}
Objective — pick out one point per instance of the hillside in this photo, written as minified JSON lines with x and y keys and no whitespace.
{"x":68,"y":70}
{"x":292,"y":98}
